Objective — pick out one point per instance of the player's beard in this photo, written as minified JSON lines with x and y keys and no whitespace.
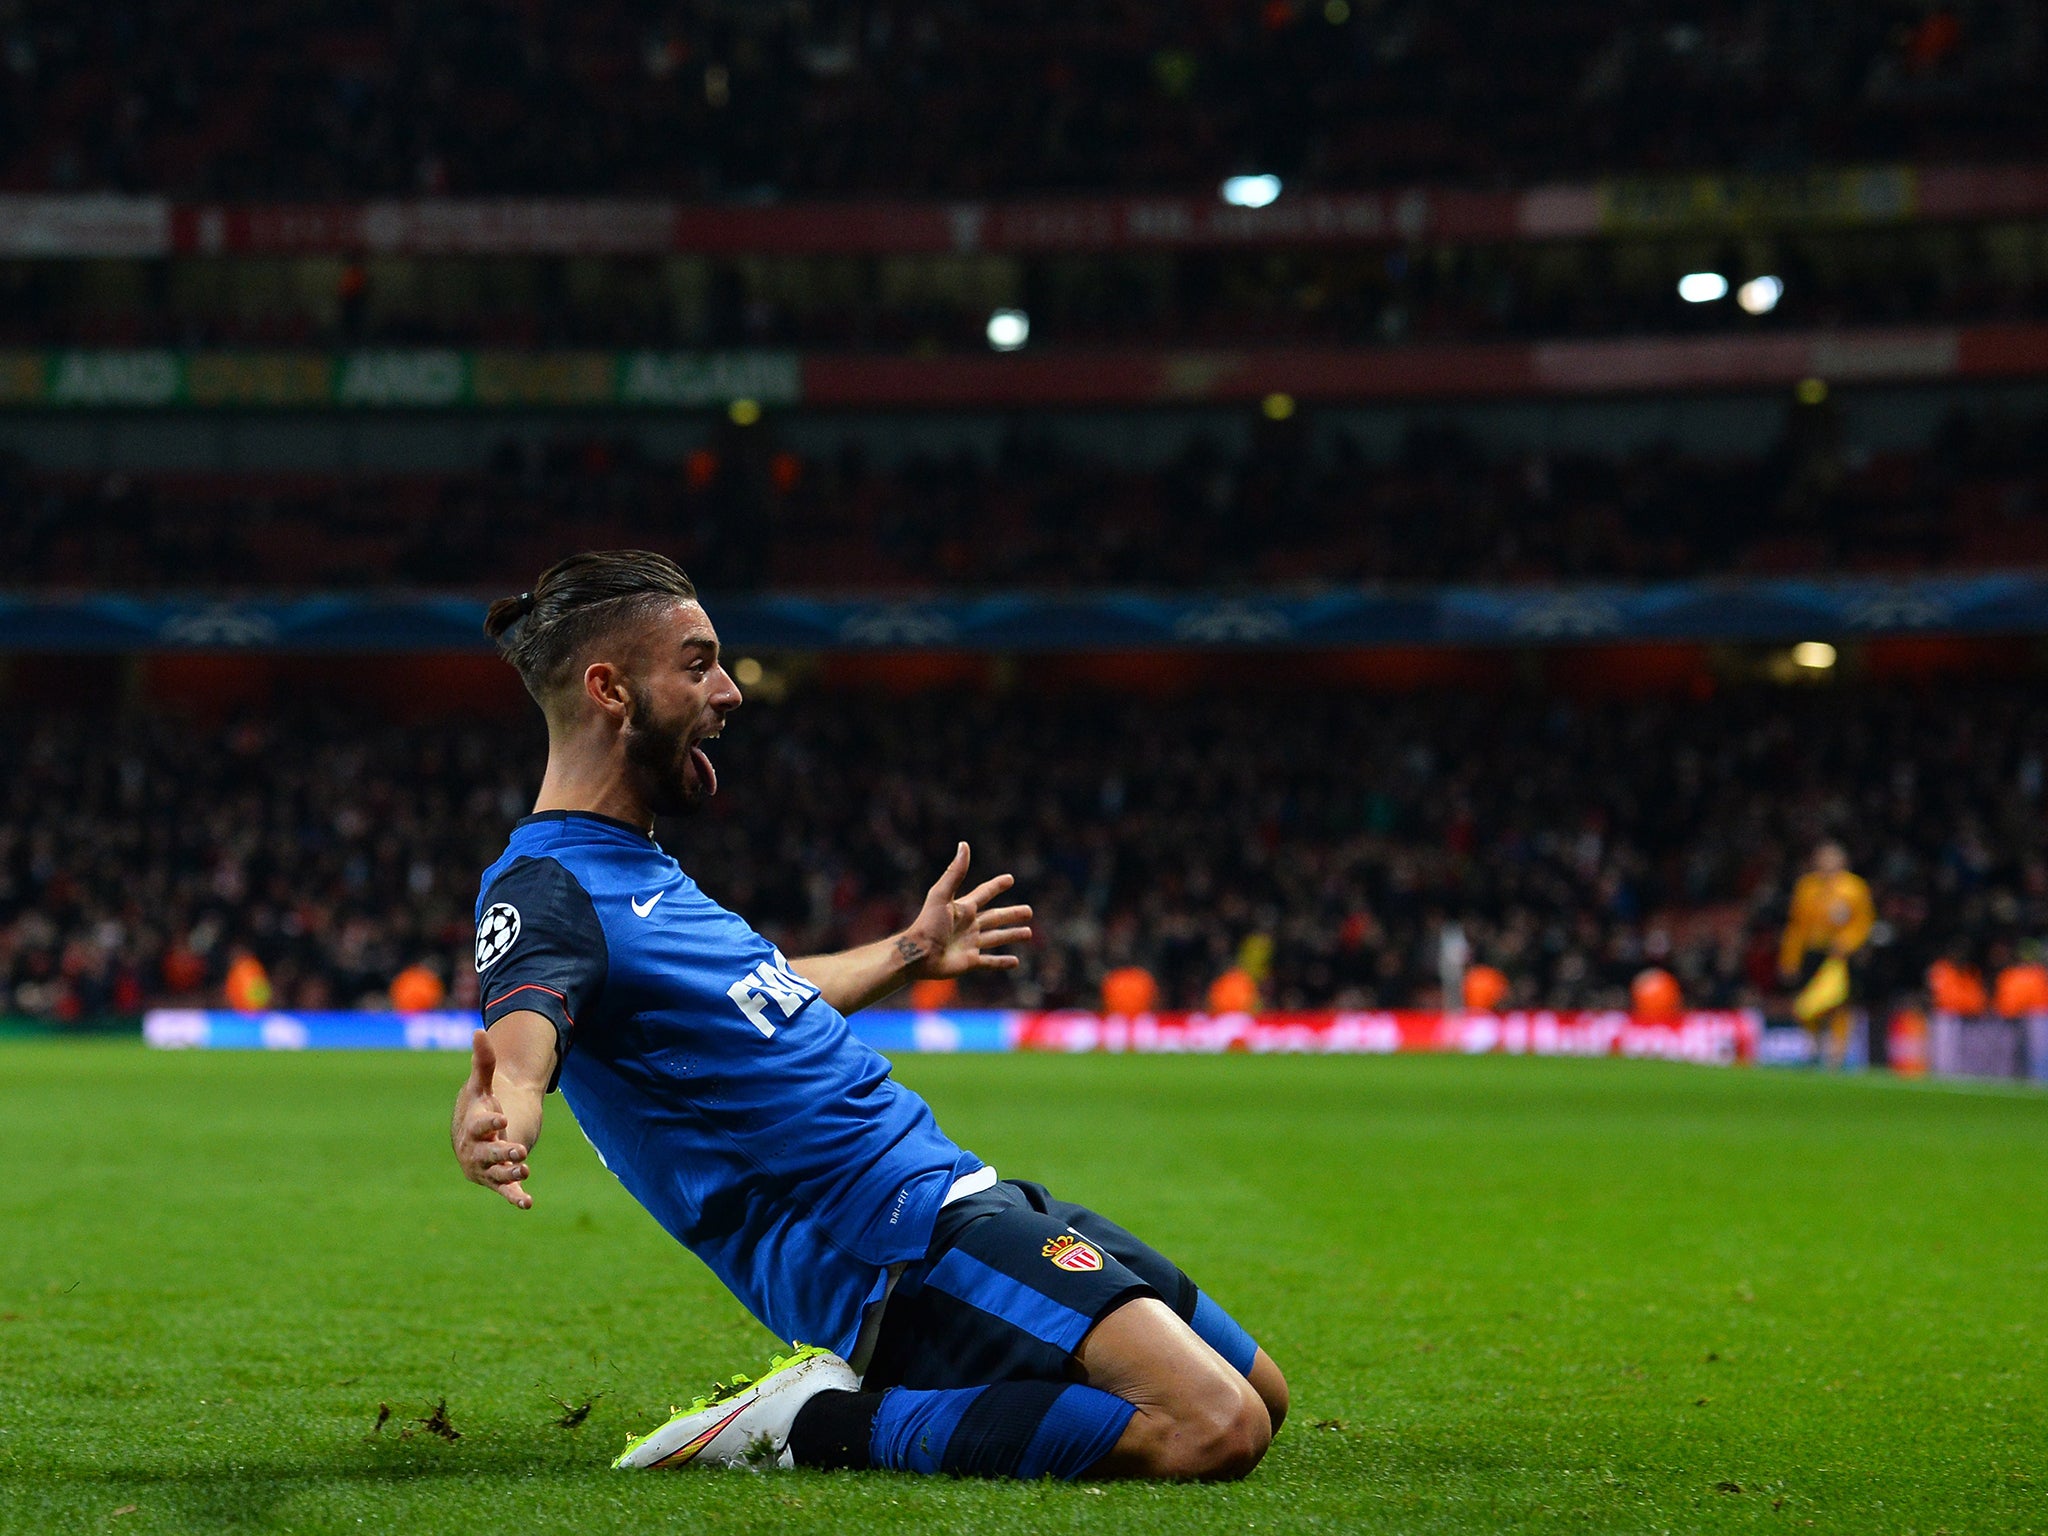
{"x":659,"y":754}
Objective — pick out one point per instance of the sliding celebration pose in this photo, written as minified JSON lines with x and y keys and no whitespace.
{"x":954,"y":1321}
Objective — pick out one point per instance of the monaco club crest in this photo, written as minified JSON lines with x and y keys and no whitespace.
{"x":1070,"y":1252}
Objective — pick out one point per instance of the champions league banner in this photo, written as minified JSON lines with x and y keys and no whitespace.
{"x":1711,"y":1038}
{"x":1745,"y":609}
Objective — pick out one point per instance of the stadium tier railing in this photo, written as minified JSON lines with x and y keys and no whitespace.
{"x":439,"y":379}
{"x":57,"y":226}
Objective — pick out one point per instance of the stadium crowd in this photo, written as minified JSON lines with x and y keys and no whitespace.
{"x":743,"y":512}
{"x":1320,"y":838}
{"x":729,"y":99}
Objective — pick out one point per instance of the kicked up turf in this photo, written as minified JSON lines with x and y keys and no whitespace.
{"x":236,"y":1292}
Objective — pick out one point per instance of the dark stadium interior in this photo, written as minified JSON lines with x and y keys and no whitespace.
{"x":736,"y":100}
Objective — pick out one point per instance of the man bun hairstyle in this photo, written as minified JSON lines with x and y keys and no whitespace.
{"x":543,"y":633}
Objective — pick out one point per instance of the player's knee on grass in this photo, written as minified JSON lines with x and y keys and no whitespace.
{"x":1197,"y":1414}
{"x":1218,"y":1434}
{"x":1197,"y":1419}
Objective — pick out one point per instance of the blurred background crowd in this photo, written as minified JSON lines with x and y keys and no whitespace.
{"x":1317,"y":839}
{"x":715,"y":98}
{"x":745,"y":511}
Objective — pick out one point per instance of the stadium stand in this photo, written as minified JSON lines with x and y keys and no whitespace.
{"x":734,"y":100}
{"x":1577,"y":840}
{"x":746,"y":512}
{"x":395,"y":304}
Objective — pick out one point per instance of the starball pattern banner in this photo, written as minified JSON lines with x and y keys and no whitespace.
{"x":1760,"y":610}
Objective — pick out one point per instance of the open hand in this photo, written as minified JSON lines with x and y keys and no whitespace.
{"x":487,"y":1158}
{"x":956,"y":934}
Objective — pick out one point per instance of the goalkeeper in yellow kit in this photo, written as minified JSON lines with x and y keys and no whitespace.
{"x":1831,"y":919}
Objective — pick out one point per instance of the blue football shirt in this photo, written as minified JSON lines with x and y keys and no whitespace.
{"x":718,"y":1085}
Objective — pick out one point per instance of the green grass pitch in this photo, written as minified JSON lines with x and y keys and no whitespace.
{"x":1509,"y":1294}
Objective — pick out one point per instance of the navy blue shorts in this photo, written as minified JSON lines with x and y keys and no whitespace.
{"x":1013,"y":1281}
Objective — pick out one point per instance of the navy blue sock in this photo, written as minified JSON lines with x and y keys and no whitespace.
{"x":831,"y":1432}
{"x":1024,"y":1429}
{"x":1224,"y":1334}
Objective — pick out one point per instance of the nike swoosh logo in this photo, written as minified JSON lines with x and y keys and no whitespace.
{"x":640,"y":910}
{"x":685,"y":1453}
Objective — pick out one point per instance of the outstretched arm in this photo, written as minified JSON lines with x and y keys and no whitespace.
{"x":953,"y":935}
{"x":498,"y":1110}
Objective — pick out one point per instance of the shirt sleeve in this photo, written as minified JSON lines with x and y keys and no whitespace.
{"x":540,"y":949}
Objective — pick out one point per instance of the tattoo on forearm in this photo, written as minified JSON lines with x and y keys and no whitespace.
{"x":910,"y":950}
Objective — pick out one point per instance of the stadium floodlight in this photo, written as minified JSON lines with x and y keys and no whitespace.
{"x":1814,"y":655}
{"x":747,"y":671}
{"x":1008,"y":329}
{"x":1702,"y":287}
{"x":1250,"y":191}
{"x":1760,"y":295}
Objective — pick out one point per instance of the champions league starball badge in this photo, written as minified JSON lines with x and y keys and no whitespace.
{"x":498,"y":932}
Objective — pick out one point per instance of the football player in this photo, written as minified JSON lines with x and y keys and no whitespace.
{"x":954,"y":1321}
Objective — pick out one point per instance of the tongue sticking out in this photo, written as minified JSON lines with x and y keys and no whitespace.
{"x":707,"y":776}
